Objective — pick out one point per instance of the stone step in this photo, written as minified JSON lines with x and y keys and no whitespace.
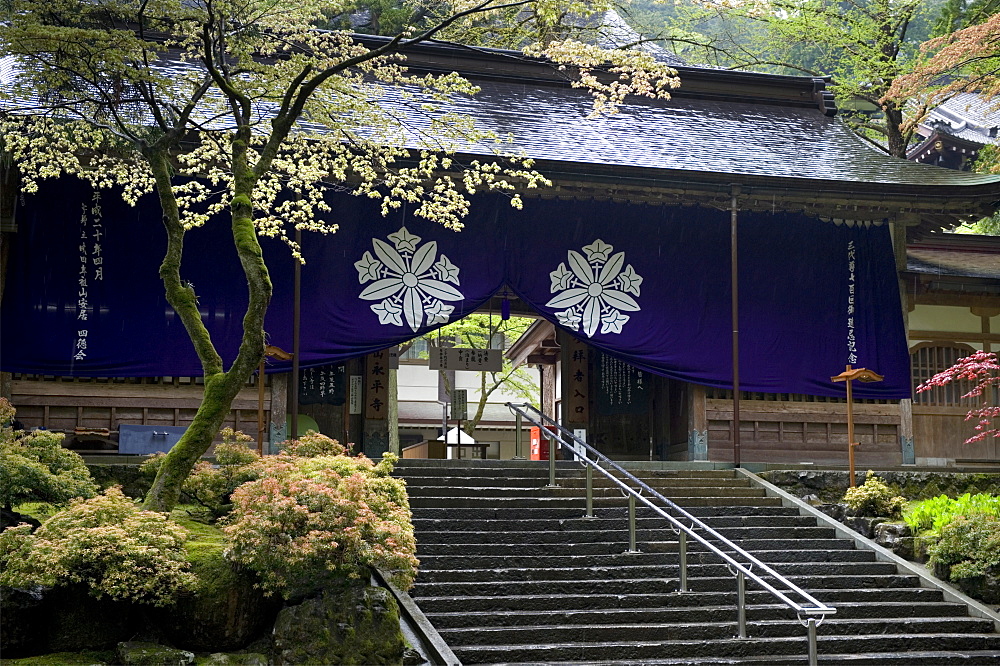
{"x":645,"y":585}
{"x":571,"y":601}
{"x":564,"y":469}
{"x":705,"y":631}
{"x":459,"y":522}
{"x":684,"y":492}
{"x":471,"y":547}
{"x":689,"y":613}
{"x":417,"y":502}
{"x":579,"y":482}
{"x":695,"y":650}
{"x":923,"y":658}
{"x":428,"y":562}
{"x":575,"y":510}
{"x":735,"y":534}
{"x":788,"y":569}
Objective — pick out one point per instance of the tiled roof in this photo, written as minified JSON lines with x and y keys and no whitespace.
{"x":550,"y":123}
{"x":968,"y":116}
{"x":955,"y":255}
{"x":733,"y":137}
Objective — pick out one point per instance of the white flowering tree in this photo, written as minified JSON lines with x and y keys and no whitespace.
{"x":241,"y":112}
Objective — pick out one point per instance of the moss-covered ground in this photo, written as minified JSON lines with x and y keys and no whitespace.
{"x":64,"y":659}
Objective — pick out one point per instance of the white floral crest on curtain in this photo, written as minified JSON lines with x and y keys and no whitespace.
{"x":409,"y":281}
{"x":594,"y":290}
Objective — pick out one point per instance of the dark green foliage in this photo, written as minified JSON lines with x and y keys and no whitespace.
{"x":969,"y":546}
{"x":34,"y":467}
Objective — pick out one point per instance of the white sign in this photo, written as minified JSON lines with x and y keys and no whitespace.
{"x":392,"y":358}
{"x":355,"y":401}
{"x":461,"y":358}
{"x":460,"y":404}
{"x":580,"y":433}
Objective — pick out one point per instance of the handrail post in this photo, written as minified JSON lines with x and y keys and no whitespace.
{"x":813,"y":652}
{"x":590,"y":492}
{"x":518,"y":436}
{"x":683,"y":551}
{"x":553,"y":447}
{"x":631,"y":525}
{"x":741,"y":604}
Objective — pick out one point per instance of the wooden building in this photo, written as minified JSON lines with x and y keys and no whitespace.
{"x":741,"y":143}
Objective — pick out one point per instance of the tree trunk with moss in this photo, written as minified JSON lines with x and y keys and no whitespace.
{"x":221,"y":386}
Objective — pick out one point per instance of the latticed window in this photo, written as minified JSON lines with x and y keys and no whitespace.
{"x":930,"y":358}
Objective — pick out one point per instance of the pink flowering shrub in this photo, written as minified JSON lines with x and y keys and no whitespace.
{"x":309,"y":522}
{"x":983,"y":369}
{"x":106,"y":543}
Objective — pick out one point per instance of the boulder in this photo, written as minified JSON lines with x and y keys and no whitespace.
{"x":24,"y":632}
{"x":226,"y":613}
{"x":353,"y":625}
{"x":233,"y":659}
{"x":897,"y":537}
{"x":76,"y":621}
{"x":863,"y":525}
{"x":136,"y":653}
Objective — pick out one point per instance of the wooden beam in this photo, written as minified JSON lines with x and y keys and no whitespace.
{"x":954,"y":335}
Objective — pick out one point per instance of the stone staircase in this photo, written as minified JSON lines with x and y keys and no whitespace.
{"x":511,"y":572}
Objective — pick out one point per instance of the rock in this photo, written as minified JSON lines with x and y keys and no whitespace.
{"x":812,"y":499}
{"x":863,"y":525}
{"x":354,"y":625}
{"x":835,"y":511}
{"x":225,"y":614}
{"x":78,"y":621}
{"x":23,"y":630}
{"x":897,"y":537}
{"x":983,"y":588}
{"x":11,"y":518}
{"x":412,"y":658}
{"x":135,"y":653}
{"x":233,"y":659}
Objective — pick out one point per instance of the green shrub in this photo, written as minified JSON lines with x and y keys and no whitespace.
{"x":106,"y":543}
{"x":933,"y":514}
{"x":874,"y":498}
{"x":314,"y":444}
{"x":969,"y":545}
{"x":210,"y":485}
{"x":34,"y":467}
{"x":310,"y":522}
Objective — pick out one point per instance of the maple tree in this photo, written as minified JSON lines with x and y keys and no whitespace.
{"x":982,"y":368}
{"x":241,"y":112}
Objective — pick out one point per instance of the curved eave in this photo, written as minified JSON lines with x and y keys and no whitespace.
{"x":947,"y":204}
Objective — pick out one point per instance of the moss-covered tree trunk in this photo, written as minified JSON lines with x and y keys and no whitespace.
{"x":221,"y":385}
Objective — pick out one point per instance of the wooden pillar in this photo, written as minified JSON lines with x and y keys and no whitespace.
{"x":897,"y":230}
{"x":575,"y":359}
{"x":393,"y":412}
{"x":279,"y":411}
{"x":548,"y":404}
{"x":376,"y":404}
{"x":697,"y":422}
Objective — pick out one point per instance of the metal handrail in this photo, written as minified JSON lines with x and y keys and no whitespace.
{"x":811,"y":608}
